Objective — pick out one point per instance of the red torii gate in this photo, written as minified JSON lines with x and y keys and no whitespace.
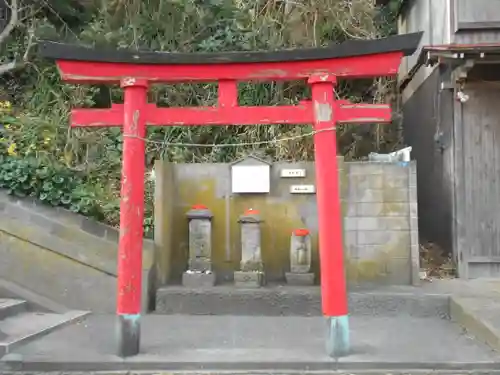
{"x":136,"y":71}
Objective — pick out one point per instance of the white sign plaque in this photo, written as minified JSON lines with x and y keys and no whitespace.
{"x":290,"y":173}
{"x":250,"y":178}
{"x":302,"y":189}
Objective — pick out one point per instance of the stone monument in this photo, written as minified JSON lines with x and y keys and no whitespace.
{"x":251,"y":273}
{"x":300,"y":259}
{"x":199,"y":273}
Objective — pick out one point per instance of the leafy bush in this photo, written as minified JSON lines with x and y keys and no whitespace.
{"x":54,"y":186}
{"x":60,"y":186}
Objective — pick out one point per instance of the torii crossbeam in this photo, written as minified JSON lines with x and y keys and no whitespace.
{"x":321,"y":67}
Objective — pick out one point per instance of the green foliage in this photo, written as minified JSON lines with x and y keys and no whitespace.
{"x":80,"y":169}
{"x":54,"y":186}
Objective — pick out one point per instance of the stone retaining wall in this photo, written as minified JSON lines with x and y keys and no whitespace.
{"x":63,"y":256}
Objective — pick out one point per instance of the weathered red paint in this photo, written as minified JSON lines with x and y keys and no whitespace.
{"x":384,"y":64}
{"x":302,"y":232}
{"x":333,"y":284}
{"x":199,"y":207}
{"x":230,"y":114}
{"x":132,"y":198}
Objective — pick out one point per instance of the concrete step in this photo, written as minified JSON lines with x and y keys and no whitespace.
{"x":10,"y":307}
{"x":297,"y":301}
{"x":25,"y":326}
{"x":479,"y":316}
{"x":34,"y":301}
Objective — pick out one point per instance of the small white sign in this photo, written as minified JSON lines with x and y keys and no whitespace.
{"x":287,"y":173}
{"x":302,"y":189}
{"x":250,"y":178}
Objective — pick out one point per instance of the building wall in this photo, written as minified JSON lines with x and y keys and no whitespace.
{"x":457,"y":149}
{"x":434,"y":19}
{"x":431,"y":17}
{"x":380,"y":225}
{"x":446,"y":22}
{"x":428,"y":128}
{"x":416,"y":18}
{"x":475,"y":21}
{"x":455,"y":196}
{"x":450,"y":21}
{"x":478,"y":188}
{"x":440,"y":22}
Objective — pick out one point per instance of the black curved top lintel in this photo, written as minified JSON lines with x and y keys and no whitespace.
{"x":406,"y":43}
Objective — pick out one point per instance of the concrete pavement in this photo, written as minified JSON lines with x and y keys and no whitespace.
{"x":242,"y":343}
{"x":394,"y":330}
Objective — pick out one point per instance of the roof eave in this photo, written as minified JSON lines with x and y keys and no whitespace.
{"x":452,"y":53}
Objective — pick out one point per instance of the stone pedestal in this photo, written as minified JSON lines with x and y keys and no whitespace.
{"x":300,"y":259}
{"x":197,"y":279}
{"x":251,"y":273}
{"x":199,"y":273}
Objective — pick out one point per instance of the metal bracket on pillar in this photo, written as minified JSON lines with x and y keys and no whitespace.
{"x":459,"y":76}
{"x":133,"y":82}
{"x":323,"y":78}
{"x":447,"y":86}
{"x":461,"y":72}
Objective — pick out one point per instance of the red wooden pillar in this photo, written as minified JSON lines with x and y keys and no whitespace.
{"x":333,"y":284}
{"x":128,"y":308}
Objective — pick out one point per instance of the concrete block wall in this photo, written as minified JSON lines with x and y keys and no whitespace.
{"x":62,"y":256}
{"x":381,"y":222}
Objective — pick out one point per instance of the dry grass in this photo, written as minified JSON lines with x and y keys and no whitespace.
{"x":436,"y":262}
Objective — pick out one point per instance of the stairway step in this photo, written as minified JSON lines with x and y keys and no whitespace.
{"x":10,"y":307}
{"x":24,"y":327}
{"x":34,"y":301}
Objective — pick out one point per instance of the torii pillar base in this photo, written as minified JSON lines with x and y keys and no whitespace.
{"x":128,"y":332}
{"x":337,"y":339}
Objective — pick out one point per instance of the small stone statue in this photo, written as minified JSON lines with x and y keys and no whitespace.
{"x":300,"y":259}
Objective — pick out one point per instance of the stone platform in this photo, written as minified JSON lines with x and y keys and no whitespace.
{"x":300,"y":301}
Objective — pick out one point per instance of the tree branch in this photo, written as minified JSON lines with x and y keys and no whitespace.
{"x":14,"y":17}
{"x":4,"y":68}
{"x":14,"y":20}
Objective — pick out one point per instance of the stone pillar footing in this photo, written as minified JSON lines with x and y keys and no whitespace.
{"x":299,"y":279}
{"x":128,"y":333}
{"x":249,"y":279}
{"x":196,"y":279}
